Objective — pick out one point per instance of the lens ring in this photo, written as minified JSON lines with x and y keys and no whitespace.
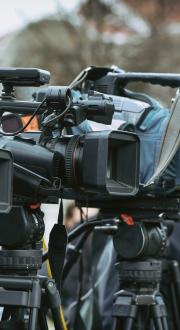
{"x":70,"y":160}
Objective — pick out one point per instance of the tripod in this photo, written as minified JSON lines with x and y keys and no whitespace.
{"x":36,"y":294}
{"x":26,"y":296}
{"x":141,"y":303}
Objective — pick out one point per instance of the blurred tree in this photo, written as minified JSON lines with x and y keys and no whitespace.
{"x":95,"y":11}
{"x":57,"y":46}
{"x":158,"y":13}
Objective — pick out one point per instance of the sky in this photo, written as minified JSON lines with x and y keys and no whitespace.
{"x":14,"y":14}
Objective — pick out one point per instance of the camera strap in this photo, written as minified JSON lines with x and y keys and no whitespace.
{"x":170,"y":142}
{"x":57,"y":248}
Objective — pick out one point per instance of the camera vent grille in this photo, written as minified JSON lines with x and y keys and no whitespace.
{"x":101,"y":88}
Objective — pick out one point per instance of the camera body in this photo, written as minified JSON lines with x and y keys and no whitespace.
{"x":104,"y":162}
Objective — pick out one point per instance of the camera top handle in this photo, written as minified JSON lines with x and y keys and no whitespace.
{"x":123,"y":78}
{"x":164,"y":79}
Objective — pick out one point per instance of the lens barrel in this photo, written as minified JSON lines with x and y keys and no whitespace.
{"x":106,"y":161}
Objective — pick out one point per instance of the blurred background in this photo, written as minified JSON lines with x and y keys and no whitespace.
{"x":66,"y":36}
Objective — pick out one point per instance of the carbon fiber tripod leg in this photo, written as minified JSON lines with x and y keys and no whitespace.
{"x":159,"y":314}
{"x":125,"y":311}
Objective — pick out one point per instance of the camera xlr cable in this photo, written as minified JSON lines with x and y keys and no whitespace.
{"x":63,"y":322}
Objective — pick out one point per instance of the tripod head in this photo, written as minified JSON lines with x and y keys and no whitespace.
{"x":145,"y":225}
{"x":21,"y":244}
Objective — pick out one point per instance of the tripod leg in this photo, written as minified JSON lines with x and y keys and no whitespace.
{"x":36,"y":294}
{"x":175,"y":292}
{"x":124,"y":324}
{"x":129,"y":324}
{"x":174,"y":309}
{"x":158,"y":324}
{"x":165,"y":324}
{"x":54,"y":300}
{"x":126,"y":321}
{"x":143,"y":317}
{"x":160,"y":321}
{"x":33,"y":319}
{"x":42,"y":320}
{"x":176,"y":277}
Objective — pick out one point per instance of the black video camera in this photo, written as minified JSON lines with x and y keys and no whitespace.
{"x":66,"y":155}
{"x":51,"y":160}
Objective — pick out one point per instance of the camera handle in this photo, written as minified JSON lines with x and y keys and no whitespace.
{"x":123,"y":78}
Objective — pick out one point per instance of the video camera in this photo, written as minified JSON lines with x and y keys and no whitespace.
{"x":90,"y":163}
{"x":66,"y":154}
{"x":87,"y":165}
